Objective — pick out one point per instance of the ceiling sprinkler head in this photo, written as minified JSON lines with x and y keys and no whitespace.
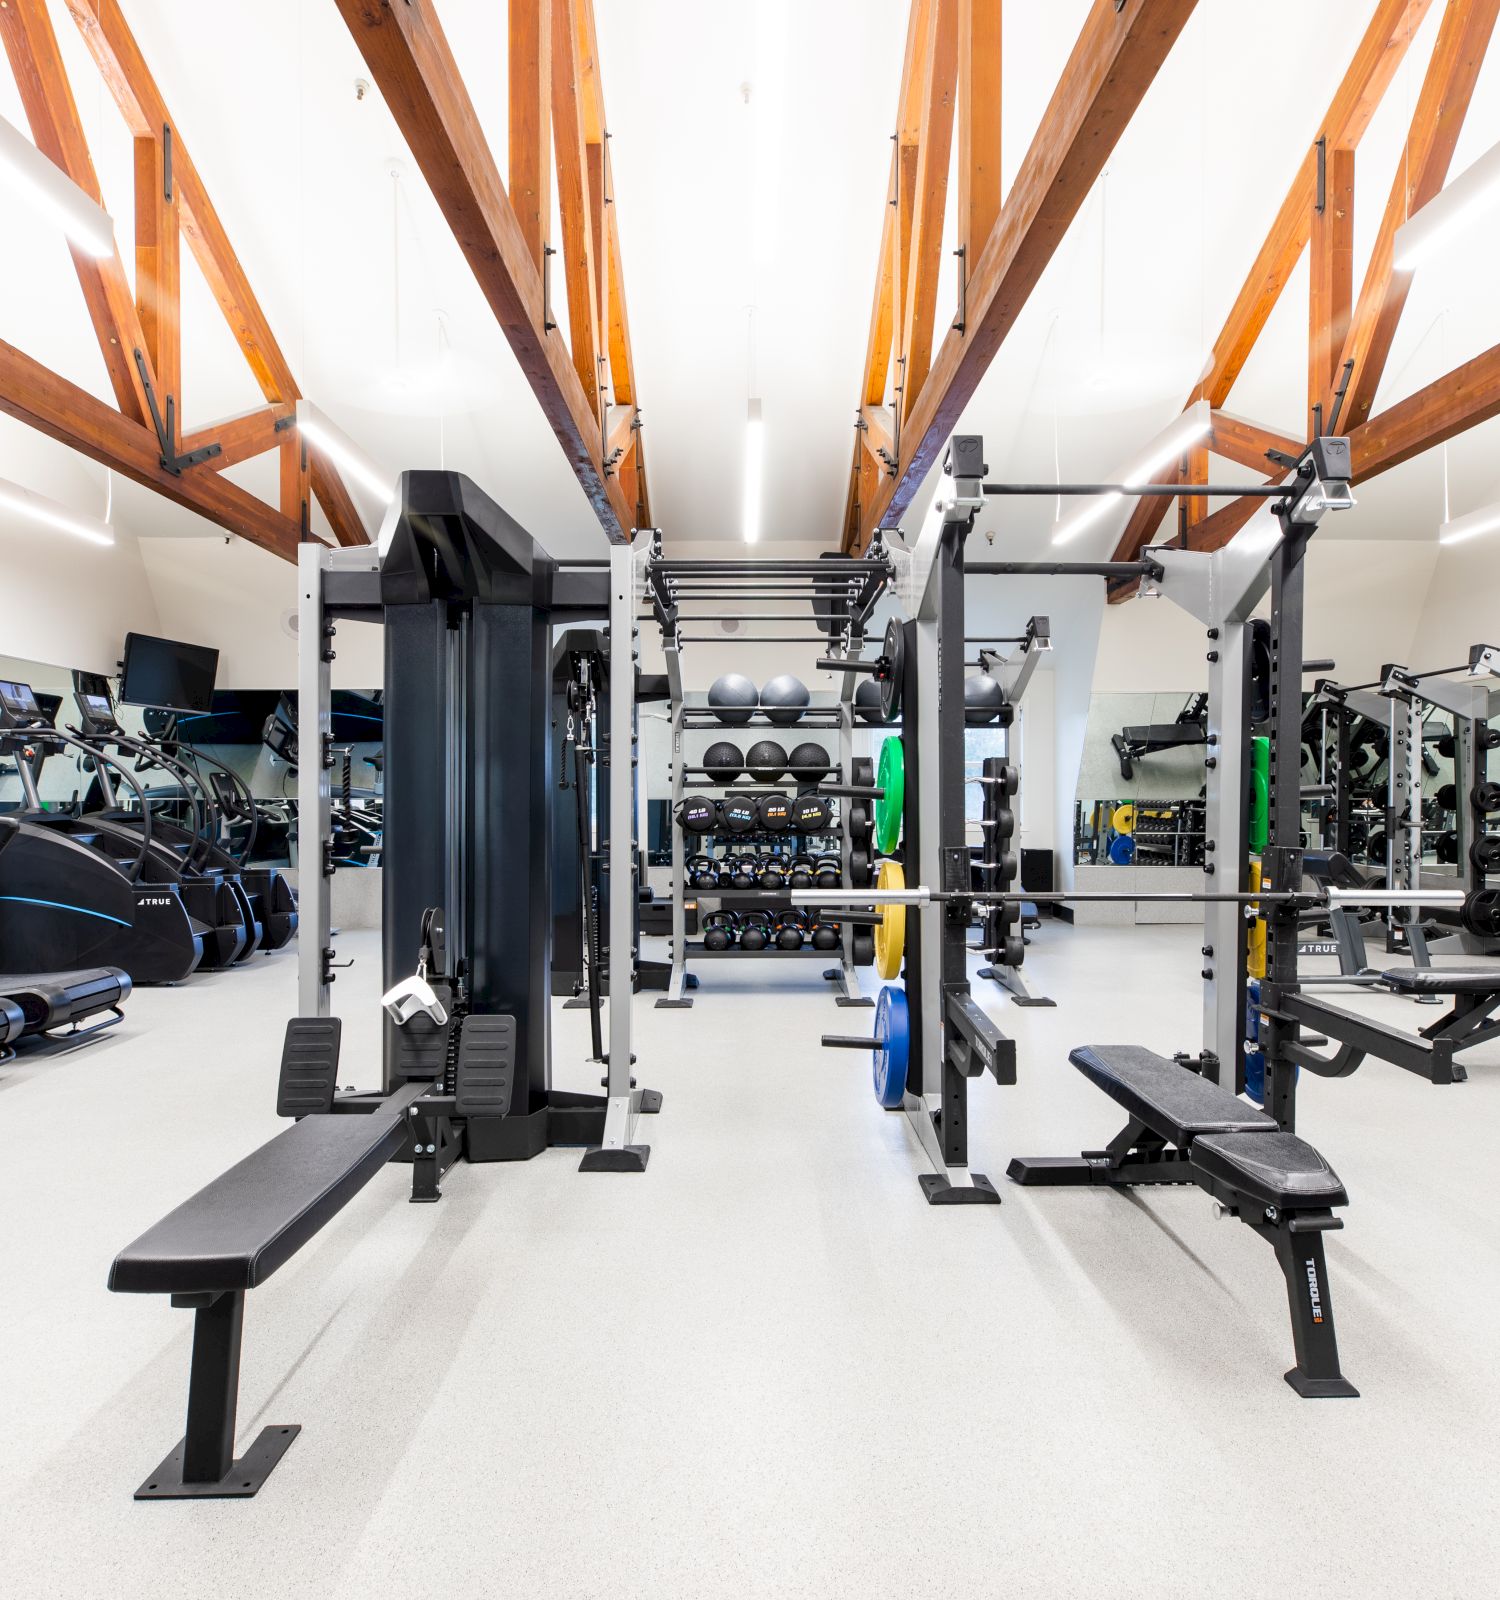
{"x":361,"y":88}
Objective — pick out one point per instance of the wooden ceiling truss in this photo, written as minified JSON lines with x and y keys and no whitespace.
{"x":1349,"y":338}
{"x":557,"y":133}
{"x":912,"y":394}
{"x":138,"y":321}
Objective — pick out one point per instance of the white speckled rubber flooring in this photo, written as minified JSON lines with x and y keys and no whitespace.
{"x":765,"y":1367}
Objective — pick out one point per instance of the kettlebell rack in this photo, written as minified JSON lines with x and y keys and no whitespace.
{"x":832,"y":599}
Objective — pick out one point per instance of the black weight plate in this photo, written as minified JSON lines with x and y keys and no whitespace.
{"x":890,"y":685}
{"x":864,"y":949}
{"x":1485,"y":853}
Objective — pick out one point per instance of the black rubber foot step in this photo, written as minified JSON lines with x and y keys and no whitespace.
{"x":309,"y":1066}
{"x":484,"y":1073}
{"x":1320,"y":1388}
{"x":941,"y":1192}
{"x":243,"y":1479}
{"x":628,"y":1158}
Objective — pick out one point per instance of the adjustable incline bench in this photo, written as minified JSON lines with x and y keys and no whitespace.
{"x":232,"y":1235}
{"x":1185,"y":1129}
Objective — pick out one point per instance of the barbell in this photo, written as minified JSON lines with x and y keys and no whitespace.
{"x":1480,"y":912}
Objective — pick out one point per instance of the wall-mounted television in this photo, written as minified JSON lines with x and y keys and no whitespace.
{"x":168,"y":673}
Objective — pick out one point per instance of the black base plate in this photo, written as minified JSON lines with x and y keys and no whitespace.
{"x":674,"y":1005}
{"x":1031,"y":1000}
{"x":632,"y":1158}
{"x":650,"y":1102}
{"x":941,"y":1192}
{"x":1321,"y":1388}
{"x":243,"y":1480}
{"x":852,"y":1000}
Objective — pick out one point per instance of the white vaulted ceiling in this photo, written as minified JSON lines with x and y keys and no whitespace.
{"x":750,"y":146}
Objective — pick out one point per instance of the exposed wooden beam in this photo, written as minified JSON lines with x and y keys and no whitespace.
{"x":1447,"y":88}
{"x":621,"y":433}
{"x":1451,"y":405}
{"x":37,"y":396}
{"x":574,"y":199}
{"x":1331,"y":274}
{"x":621,"y":357}
{"x":979,"y":88}
{"x":36,"y":61}
{"x":529,"y":60}
{"x":878,"y":432}
{"x":158,"y":278}
{"x":1193,"y":468}
{"x":1113,"y":63}
{"x":878,"y":345}
{"x":1445,"y":408}
{"x":296,"y":481}
{"x":1240,"y":440}
{"x":124,"y":69}
{"x":930,"y":200}
{"x":409,"y":58}
{"x":251,"y":433}
{"x":1380,"y":51}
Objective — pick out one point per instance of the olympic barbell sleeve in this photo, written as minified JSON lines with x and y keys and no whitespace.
{"x":832,"y":664}
{"x":849,"y":1041}
{"x":849,"y":791}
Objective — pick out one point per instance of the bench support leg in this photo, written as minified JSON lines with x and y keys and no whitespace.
{"x":1299,"y":1250}
{"x":203,"y":1465}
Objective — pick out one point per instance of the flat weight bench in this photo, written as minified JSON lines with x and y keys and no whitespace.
{"x":1185,"y":1129}
{"x":230,"y":1237}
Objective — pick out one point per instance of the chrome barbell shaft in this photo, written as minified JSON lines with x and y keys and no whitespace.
{"x":921,"y":895}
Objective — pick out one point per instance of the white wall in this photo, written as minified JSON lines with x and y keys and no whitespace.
{"x":235,"y":597}
{"x":1365,"y":598}
{"x":65,"y":602}
{"x":1461,"y":607}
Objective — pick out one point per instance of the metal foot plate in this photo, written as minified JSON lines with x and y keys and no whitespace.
{"x":852,"y":1000}
{"x":674,"y":1005}
{"x":941,"y":1192}
{"x":243,"y":1479}
{"x":650,"y":1102}
{"x":628,"y":1158}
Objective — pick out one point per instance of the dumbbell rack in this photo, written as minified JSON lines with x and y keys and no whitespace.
{"x":686,"y":777}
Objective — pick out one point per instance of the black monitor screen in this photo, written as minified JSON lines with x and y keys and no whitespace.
{"x":166,"y":673}
{"x":18,"y":699}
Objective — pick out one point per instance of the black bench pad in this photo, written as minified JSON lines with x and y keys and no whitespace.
{"x":1170,"y":1100}
{"x":1277,"y":1169}
{"x":50,"y":999}
{"x":237,"y":1231}
{"x":1443,"y":980}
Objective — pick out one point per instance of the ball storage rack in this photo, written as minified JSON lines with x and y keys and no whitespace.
{"x":820,"y":603}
